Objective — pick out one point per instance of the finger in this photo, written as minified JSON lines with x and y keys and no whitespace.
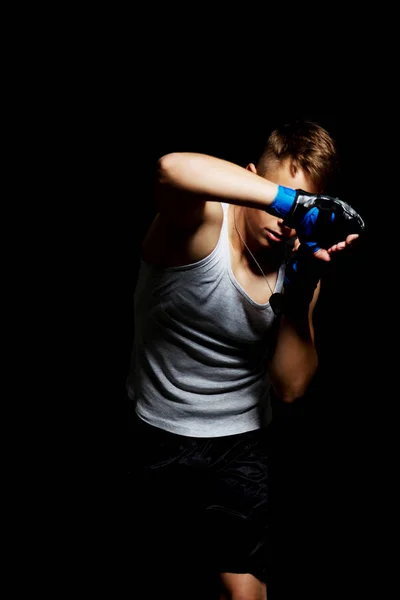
{"x":339,"y":246}
{"x":342,"y":245}
{"x":322,"y":254}
{"x":350,"y":238}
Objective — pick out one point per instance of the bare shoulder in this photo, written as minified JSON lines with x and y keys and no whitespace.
{"x":173,"y":242}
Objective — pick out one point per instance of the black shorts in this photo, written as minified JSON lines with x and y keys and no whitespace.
{"x":200,"y":504}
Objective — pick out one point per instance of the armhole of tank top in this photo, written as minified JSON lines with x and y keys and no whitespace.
{"x":219,"y":247}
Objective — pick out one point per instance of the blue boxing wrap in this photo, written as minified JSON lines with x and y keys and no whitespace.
{"x":303,"y":271}
{"x":308,"y":223}
{"x":283,"y":201}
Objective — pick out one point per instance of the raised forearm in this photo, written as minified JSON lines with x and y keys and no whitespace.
{"x":215,"y":179}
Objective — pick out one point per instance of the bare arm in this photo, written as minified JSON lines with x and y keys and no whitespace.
{"x":187,"y":177}
{"x":295,"y":359}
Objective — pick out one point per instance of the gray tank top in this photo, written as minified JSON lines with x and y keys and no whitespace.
{"x":199,"y":362}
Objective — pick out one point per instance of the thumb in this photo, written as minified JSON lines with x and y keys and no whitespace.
{"x":322,"y":254}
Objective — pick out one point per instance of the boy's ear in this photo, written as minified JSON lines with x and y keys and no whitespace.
{"x":252,"y":167}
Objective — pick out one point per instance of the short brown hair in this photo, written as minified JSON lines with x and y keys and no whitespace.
{"x":310,"y":147}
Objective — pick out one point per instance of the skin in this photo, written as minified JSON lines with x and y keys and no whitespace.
{"x":189,"y":190}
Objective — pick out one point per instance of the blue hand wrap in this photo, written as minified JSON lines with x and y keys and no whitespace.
{"x":283,"y":201}
{"x":302,"y":274}
{"x":308,"y":224}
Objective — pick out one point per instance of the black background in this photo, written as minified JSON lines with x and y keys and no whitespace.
{"x":121,"y":95}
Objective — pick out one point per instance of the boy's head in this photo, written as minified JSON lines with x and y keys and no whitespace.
{"x":307,"y":146}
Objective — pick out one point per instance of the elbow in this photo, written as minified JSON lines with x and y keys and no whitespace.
{"x":167,"y":167}
{"x":290,"y":391}
{"x":289,"y":396}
